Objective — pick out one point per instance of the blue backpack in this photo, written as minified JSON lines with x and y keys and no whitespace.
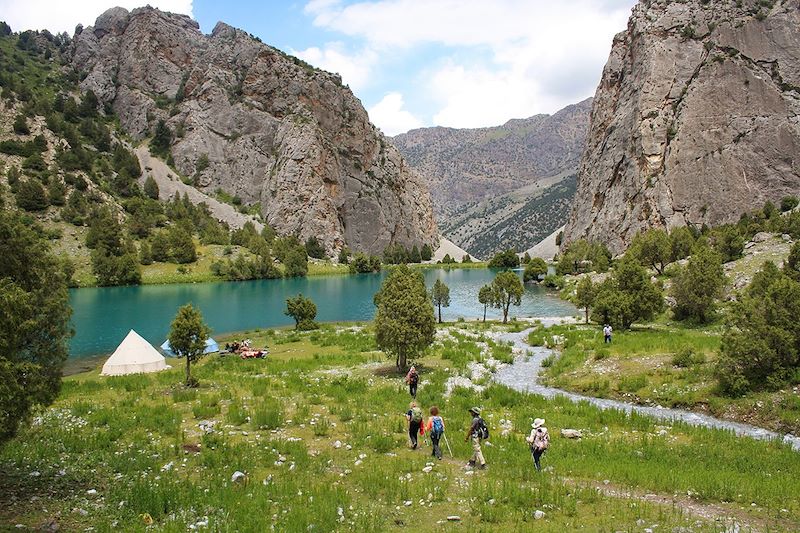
{"x":438,"y":426}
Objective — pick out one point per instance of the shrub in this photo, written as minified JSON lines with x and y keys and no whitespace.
{"x":788,"y":203}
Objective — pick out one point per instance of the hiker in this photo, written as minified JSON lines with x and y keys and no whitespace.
{"x":435,"y":429}
{"x":414,"y":417}
{"x":412,"y":378}
{"x":539,"y":441}
{"x":477,"y":432}
{"x":607,"y":333}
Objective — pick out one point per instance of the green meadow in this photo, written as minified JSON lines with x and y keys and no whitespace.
{"x":318,"y":431}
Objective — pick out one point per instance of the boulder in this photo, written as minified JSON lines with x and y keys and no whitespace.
{"x":571,"y":433}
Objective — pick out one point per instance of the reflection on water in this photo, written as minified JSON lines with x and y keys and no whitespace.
{"x":102,"y":316}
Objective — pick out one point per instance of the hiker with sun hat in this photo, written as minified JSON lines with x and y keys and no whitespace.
{"x":539,"y":441}
{"x":477,"y":432}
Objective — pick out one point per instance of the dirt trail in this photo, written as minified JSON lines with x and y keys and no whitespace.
{"x":169,"y":184}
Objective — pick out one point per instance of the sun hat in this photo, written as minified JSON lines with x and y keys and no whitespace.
{"x":537,"y":423}
{"x":476,"y":410}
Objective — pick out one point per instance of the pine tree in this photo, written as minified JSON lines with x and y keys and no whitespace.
{"x":151,"y":188}
{"x":441,"y":296}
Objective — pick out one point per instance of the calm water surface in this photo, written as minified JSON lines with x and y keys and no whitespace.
{"x":102,"y":316}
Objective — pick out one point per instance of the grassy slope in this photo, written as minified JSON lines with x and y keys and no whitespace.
{"x":116,"y":435}
{"x":638,"y":367}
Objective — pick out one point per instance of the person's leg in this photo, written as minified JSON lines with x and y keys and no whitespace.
{"x":435,"y":445}
{"x":476,"y":447}
{"x":413,"y":430}
{"x":537,"y":454}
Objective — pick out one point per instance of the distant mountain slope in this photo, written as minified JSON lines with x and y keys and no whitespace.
{"x":464,"y":166}
{"x":518,"y":219}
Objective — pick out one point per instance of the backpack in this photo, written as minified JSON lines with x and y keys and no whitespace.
{"x":483,"y":429}
{"x":541,"y":440}
{"x":437,"y":428}
{"x":413,"y":377}
{"x":416,"y":414}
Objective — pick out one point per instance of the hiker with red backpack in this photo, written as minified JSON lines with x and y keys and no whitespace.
{"x":415,"y":423}
{"x":539,"y":441}
{"x":477,"y":432}
{"x":412,"y":379}
{"x":435,"y":429}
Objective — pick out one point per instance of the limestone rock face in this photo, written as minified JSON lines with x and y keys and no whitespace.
{"x":272,"y":128}
{"x":696,"y":119}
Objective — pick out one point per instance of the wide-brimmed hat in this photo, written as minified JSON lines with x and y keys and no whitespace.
{"x":537,"y":423}
{"x":476,"y":410}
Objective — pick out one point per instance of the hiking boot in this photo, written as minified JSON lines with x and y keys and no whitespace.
{"x":482,"y":467}
{"x":470,"y":464}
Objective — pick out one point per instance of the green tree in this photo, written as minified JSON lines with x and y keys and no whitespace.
{"x":584,"y":295}
{"x":34,"y":323}
{"x":505,"y":259}
{"x":21,"y":125}
{"x":162,"y":139}
{"x":114,"y":270}
{"x":788,"y":203}
{"x":182,"y":246}
{"x":486,"y":298}
{"x":314,"y":248}
{"x":363,"y":264}
{"x":681,"y":242}
{"x":296,"y":262}
{"x":404,"y":321}
{"x":728,"y":242}
{"x":447,"y":260}
{"x":426,"y":253}
{"x":698,"y":285}
{"x":507,"y":289}
{"x":56,"y":191}
{"x":160,"y":247}
{"x":145,"y":253}
{"x":415,"y":256}
{"x":31,"y":195}
{"x":526,"y":258}
{"x":533,"y":269}
{"x":187,"y":338}
{"x":761,"y":343}
{"x":441,"y":296}
{"x":792,"y":266}
{"x":344,"y":255}
{"x":303,"y":311}
{"x":559,"y":238}
{"x":652,"y":249}
{"x":627,"y":296}
{"x":151,"y":188}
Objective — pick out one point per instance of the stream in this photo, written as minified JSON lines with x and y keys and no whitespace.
{"x":523,"y":376}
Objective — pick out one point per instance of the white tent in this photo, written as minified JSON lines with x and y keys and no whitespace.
{"x":134,"y":355}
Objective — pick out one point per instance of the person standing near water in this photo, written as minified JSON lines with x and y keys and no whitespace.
{"x":477,"y":432}
{"x":539,"y":441}
{"x":607,"y":333}
{"x":435,"y":429}
{"x":414,"y":417}
{"x":412,"y":378}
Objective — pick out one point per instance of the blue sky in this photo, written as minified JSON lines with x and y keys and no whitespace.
{"x":413,"y":63}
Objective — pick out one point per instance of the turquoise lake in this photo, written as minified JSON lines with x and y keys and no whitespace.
{"x":102,"y":316}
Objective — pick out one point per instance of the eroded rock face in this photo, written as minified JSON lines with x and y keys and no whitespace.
{"x":273,"y":129}
{"x":696,"y":119}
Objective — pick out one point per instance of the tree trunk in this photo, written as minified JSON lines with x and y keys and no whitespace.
{"x":401,"y":361}
{"x":587,"y":314}
{"x":188,"y":371}
{"x":484,"y":313}
{"x":440,"y":313}
{"x":505,"y":312}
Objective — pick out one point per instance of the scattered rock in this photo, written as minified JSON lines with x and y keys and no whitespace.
{"x":538,"y":514}
{"x":571,"y":433}
{"x":454,"y":518}
{"x":238,"y":477}
{"x":337,"y":444}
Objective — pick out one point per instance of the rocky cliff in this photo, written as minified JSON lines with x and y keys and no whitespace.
{"x":464,"y":166}
{"x":259,"y":124}
{"x":696,"y":119}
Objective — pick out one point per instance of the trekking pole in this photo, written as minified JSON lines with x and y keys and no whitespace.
{"x":448,"y":445}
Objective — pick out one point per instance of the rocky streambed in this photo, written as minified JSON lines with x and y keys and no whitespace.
{"x":523,"y":375}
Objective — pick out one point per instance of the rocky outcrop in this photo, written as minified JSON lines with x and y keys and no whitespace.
{"x":696,"y":119}
{"x":465,"y":166}
{"x":258,"y":124}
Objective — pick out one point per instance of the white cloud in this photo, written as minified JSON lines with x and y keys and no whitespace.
{"x":64,"y":15}
{"x":390,"y":117}
{"x":507,"y":58}
{"x":355,"y":69}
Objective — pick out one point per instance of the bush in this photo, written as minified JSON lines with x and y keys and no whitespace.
{"x":31,"y":196}
{"x":685,"y":358}
{"x":698,"y":285}
{"x":788,"y":203}
{"x":505,"y":259}
{"x":314,"y":248}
